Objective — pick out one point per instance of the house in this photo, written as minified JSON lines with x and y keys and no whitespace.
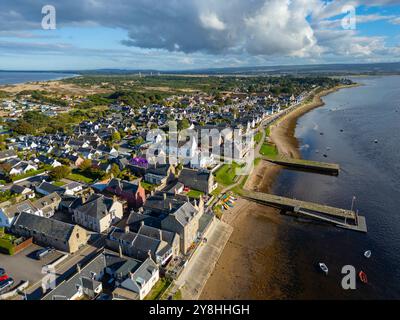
{"x":201,"y":180}
{"x":159,"y":174}
{"x":85,"y":282}
{"x":46,"y":188}
{"x":50,"y":232}
{"x":174,"y":213}
{"x":72,"y":188}
{"x":28,"y":193}
{"x":76,"y":161}
{"x":185,"y":222}
{"x":9,"y":211}
{"x":7,"y":155}
{"x":140,"y":245}
{"x":133,"y":278}
{"x":48,"y":204}
{"x":22,"y":167}
{"x":132,"y":192}
{"x":143,"y":279}
{"x":98,"y":213}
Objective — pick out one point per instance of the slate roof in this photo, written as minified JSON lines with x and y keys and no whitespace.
{"x":195,"y":179}
{"x":49,"y":188}
{"x":124,"y":185}
{"x":160,"y":205}
{"x":96,"y":206}
{"x":68,"y":288}
{"x":50,"y":227}
{"x":135,"y":219}
{"x":185,"y":213}
{"x":45,"y":201}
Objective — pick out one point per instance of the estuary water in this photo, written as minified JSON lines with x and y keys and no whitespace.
{"x":9,"y":77}
{"x":345,"y":130}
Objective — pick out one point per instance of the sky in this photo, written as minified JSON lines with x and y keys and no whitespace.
{"x":195,"y":34}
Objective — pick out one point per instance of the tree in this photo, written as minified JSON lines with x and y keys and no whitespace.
{"x":183,"y":124}
{"x":115,"y":171}
{"x":60,"y":172}
{"x":23,"y":127}
{"x":85,"y":165}
{"x":116,"y":136}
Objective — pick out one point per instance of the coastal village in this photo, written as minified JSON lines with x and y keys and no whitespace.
{"x":85,"y":214}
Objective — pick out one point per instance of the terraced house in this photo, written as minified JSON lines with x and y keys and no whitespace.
{"x":98,"y":213}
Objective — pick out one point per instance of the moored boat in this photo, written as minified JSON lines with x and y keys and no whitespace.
{"x":363,"y":277}
{"x":367,"y":254}
{"x":323,"y":267}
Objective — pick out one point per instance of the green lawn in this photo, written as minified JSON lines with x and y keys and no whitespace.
{"x":27,"y":175}
{"x":195,"y":194}
{"x":268,"y":150}
{"x":158,"y":289}
{"x":59,"y":183}
{"x":226,"y":174}
{"x":217,"y":191}
{"x":79,"y":178}
{"x":177,"y":295}
{"x":267,"y":131}
{"x":148,"y":186}
{"x":257,"y":137}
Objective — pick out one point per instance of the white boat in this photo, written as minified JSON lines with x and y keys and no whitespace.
{"x":367,"y":254}
{"x":323,"y":267}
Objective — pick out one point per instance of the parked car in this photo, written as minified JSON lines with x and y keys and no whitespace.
{"x":2,"y":271}
{"x":43,"y":252}
{"x":6,"y":284}
{"x":4,"y":277}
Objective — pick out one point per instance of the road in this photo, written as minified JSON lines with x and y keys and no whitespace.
{"x":67,"y":267}
{"x":200,"y":267}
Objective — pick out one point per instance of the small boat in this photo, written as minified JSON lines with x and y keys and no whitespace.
{"x":321,"y":133}
{"x":323,"y":267}
{"x":363,"y":277}
{"x":341,"y":130}
{"x":376,"y":141}
{"x":367,"y":254}
{"x":325,"y":156}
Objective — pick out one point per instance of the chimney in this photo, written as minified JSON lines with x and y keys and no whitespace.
{"x":160,"y":233}
{"x":142,"y":223}
{"x":170,"y":206}
{"x":78,"y":268}
{"x":165,"y":196}
{"x":115,"y":199}
{"x":127,"y":229}
{"x":120,"y":251}
{"x":149,"y":254}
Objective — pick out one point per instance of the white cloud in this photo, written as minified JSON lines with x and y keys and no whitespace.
{"x":211,"y":21}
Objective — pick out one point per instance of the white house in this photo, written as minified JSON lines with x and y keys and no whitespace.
{"x":143,"y":279}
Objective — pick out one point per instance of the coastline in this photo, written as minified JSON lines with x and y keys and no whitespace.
{"x":250,"y":265}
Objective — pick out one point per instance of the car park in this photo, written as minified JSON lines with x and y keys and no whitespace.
{"x":6,"y":284}
{"x":4,"y":277}
{"x":43,"y":252}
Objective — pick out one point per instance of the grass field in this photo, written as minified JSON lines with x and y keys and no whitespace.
{"x":158,"y":289}
{"x":79,"y":178}
{"x":195,"y":194}
{"x":226,"y":174}
{"x":268,"y":150}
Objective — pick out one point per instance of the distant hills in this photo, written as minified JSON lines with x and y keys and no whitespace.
{"x":320,"y":69}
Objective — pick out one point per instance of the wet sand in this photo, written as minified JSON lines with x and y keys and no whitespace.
{"x":250,"y":266}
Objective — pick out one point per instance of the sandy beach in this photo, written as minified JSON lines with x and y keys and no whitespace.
{"x":251,"y":263}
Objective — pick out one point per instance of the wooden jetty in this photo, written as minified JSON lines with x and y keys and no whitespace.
{"x":343,"y":218}
{"x":321,"y":167}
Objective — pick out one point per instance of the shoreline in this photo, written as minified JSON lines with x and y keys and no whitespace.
{"x":250,"y":265}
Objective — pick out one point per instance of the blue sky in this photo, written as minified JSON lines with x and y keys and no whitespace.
{"x":190,"y":34}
